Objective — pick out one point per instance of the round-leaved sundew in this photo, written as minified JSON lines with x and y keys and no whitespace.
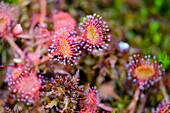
{"x":14,"y":73}
{"x":144,"y":70}
{"x":26,"y":88}
{"x":94,"y":32}
{"x":163,"y":108}
{"x":8,"y":17}
{"x":91,"y":98}
{"x":64,"y":47}
{"x":63,"y":19}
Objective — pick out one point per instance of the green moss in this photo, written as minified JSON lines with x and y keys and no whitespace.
{"x":164,"y":58}
{"x":12,"y":1}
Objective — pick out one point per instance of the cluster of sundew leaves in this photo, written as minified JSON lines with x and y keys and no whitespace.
{"x":140,"y":19}
{"x":120,"y":4}
{"x":63,"y":47}
{"x":67,"y":42}
{"x":136,"y":17}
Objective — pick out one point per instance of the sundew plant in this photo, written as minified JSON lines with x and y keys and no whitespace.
{"x":84,"y":56}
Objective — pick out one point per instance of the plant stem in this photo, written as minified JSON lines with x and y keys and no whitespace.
{"x":132,"y":105}
{"x":107,"y":108}
{"x":14,"y":45}
{"x":43,"y":41}
{"x":7,"y":66}
{"x":163,"y":89}
{"x":142,"y":104}
{"x":45,"y":58}
{"x":43,"y":4}
{"x":26,"y":36}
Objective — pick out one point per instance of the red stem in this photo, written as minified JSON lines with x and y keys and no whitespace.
{"x":7,"y":66}
{"x":43,"y":41}
{"x":14,"y":45}
{"x":107,"y":108}
{"x":142,"y":104}
{"x":26,"y":36}
{"x":44,"y":59}
{"x":43,"y":4}
{"x":163,"y":90}
{"x":132,"y":105}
